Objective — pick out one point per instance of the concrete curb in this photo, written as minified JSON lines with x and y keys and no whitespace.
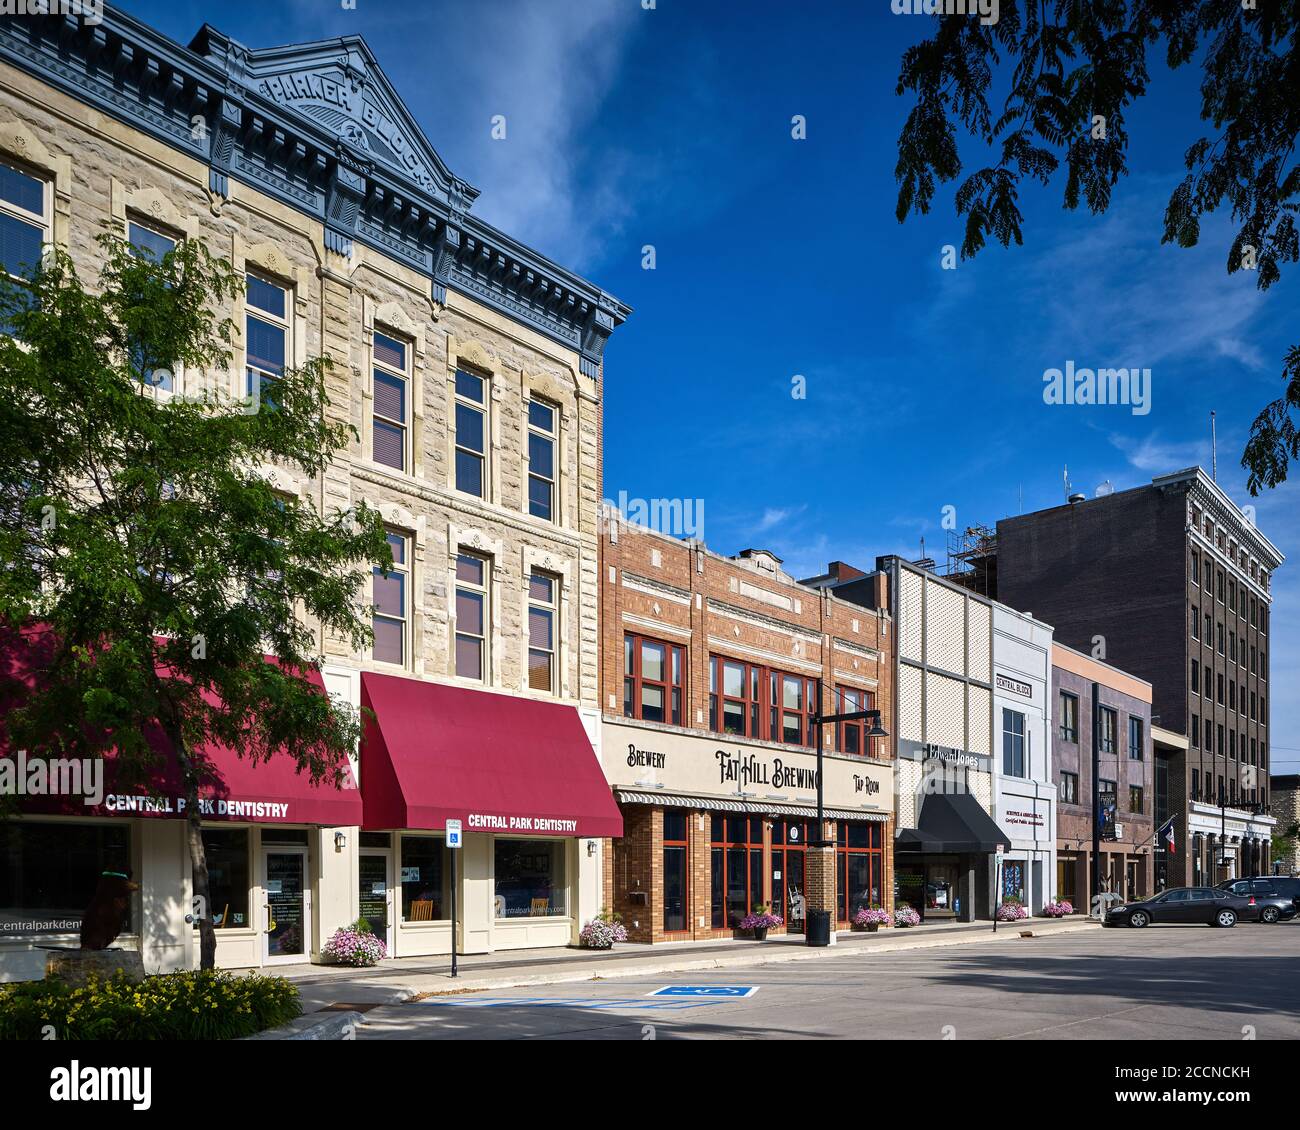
{"x":318,"y":1026}
{"x":770,"y":957}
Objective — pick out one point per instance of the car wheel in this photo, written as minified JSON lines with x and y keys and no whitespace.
{"x":1225,"y":918}
{"x":1270,"y":914}
{"x":1138,"y":919}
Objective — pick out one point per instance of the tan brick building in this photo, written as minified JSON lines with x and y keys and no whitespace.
{"x":1285,"y":800}
{"x":471,"y":369}
{"x":711,"y":668}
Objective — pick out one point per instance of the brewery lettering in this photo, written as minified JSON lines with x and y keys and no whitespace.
{"x":646,"y":758}
{"x":748,"y":769}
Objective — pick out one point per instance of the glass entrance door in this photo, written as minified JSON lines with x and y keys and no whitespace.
{"x":286,"y":927}
{"x":374,"y":897}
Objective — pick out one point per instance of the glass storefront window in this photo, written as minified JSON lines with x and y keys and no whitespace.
{"x":859,"y":867}
{"x":736,"y":865}
{"x":227,"y":854}
{"x":1013,"y":880}
{"x":425,"y":878}
{"x":529,"y":879}
{"x":675,"y":871}
{"x":49,"y":872}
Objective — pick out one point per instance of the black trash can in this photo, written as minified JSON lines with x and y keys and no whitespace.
{"x":817,"y":930}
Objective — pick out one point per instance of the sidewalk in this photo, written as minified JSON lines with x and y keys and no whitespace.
{"x":332,"y":987}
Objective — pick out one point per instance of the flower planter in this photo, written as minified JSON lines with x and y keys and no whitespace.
{"x":760,"y":933}
{"x":872,"y":927}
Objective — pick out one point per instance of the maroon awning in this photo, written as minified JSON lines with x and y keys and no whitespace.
{"x":234,"y":788}
{"x":496,"y":762}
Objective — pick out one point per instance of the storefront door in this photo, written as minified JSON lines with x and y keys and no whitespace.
{"x":286,"y":925}
{"x":374,"y":893}
{"x":788,"y":897}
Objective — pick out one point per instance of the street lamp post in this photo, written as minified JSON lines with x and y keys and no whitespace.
{"x":819,"y":934}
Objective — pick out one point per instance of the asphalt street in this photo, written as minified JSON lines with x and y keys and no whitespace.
{"x":1171,"y":982}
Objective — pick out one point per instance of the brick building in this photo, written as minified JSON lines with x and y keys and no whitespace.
{"x":1172,"y":582}
{"x":1096,"y":700}
{"x":711,"y":667}
{"x":471,"y":369}
{"x":1285,"y":793}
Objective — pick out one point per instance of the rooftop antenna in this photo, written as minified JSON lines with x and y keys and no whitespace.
{"x":1214,"y":451}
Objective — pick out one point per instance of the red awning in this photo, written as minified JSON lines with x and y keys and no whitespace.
{"x":234,"y":788}
{"x":495,"y":762}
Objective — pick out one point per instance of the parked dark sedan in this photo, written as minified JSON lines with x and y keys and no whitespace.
{"x":1263,"y":899}
{"x":1182,"y":904}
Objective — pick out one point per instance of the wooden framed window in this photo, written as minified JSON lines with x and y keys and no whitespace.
{"x":542,"y":432}
{"x":654,"y":674}
{"x":859,"y":867}
{"x":676,"y":885}
{"x":1069,"y":717}
{"x":390,"y":425}
{"x":391,"y":595}
{"x":471,"y":433}
{"x":267,"y":345}
{"x":736,"y":867}
{"x":542,"y":596}
{"x":473,"y":574}
{"x":1108,"y":729}
{"x":757,"y":702}
{"x":851,"y":737}
{"x":1069,"y":788}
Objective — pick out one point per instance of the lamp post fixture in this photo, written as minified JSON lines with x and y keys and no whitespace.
{"x":819,"y":935}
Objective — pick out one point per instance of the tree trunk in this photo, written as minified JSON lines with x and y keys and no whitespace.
{"x":202,"y":905}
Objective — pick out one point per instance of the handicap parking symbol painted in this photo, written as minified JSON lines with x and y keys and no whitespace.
{"x":713,"y":991}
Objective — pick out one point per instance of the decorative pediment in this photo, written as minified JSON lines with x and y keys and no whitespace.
{"x":339,"y":85}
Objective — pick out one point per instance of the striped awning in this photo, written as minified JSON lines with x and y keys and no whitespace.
{"x":755,"y":807}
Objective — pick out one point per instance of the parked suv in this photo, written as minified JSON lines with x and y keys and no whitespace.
{"x":1269,"y":898}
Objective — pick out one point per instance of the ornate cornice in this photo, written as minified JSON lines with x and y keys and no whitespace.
{"x":319,"y":127}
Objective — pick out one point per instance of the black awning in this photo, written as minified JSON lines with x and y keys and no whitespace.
{"x":952,"y":822}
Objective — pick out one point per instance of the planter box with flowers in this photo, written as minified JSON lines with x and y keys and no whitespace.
{"x":602,"y":932}
{"x":355,"y":945}
{"x":871,"y":919}
{"x":1058,"y":909}
{"x":1011,"y":912}
{"x":906,"y":916}
{"x":760,"y":922}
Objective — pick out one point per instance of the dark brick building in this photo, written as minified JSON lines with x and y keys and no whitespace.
{"x":1169,"y":581}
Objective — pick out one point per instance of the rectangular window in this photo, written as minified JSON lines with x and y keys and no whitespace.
{"x":1196,"y":784}
{"x":735,"y":697}
{"x":858,"y":868}
{"x":1196,"y":677}
{"x":1219,"y":681}
{"x":1207,"y":732}
{"x":1196,"y":730}
{"x":736,"y":866}
{"x":392,"y":376}
{"x":541,"y":459}
{"x":1069,"y":717}
{"x":791,"y":702}
{"x":1218,"y":633}
{"x":1069,"y":788}
{"x":1196,"y":569}
{"x":472,"y":576}
{"x":1196,"y":622}
{"x":49,"y":874}
{"x":154,"y":246}
{"x":654,"y":676}
{"x":1108,"y":729}
{"x":542,"y":593}
{"x":1136,"y":739}
{"x":390,"y":595}
{"x":266,"y":325}
{"x":676,"y":871}
{"x":471,"y":433}
{"x":426,"y":878}
{"x":227,"y":855}
{"x":24,"y":222}
{"x":1013,"y":743}
{"x":529,"y":880}
{"x":1135,"y":799}
{"x":852,"y":736}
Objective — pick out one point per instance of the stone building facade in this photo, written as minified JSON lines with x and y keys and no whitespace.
{"x":1286,"y":811}
{"x":470,"y":367}
{"x":711,"y":669}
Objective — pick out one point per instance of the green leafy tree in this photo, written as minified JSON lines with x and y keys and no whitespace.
{"x":141,"y":537}
{"x":1072,"y":70}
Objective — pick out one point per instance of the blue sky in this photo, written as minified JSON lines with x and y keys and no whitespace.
{"x":777,"y":258}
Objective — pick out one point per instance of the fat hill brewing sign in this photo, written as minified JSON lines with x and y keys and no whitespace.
{"x":750,"y":769}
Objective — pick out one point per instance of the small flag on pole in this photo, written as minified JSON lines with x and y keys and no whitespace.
{"x":1166,"y":833}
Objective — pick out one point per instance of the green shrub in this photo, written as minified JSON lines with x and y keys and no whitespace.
{"x":211,"y":1005}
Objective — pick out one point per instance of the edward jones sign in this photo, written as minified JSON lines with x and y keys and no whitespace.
{"x":718,"y":765}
